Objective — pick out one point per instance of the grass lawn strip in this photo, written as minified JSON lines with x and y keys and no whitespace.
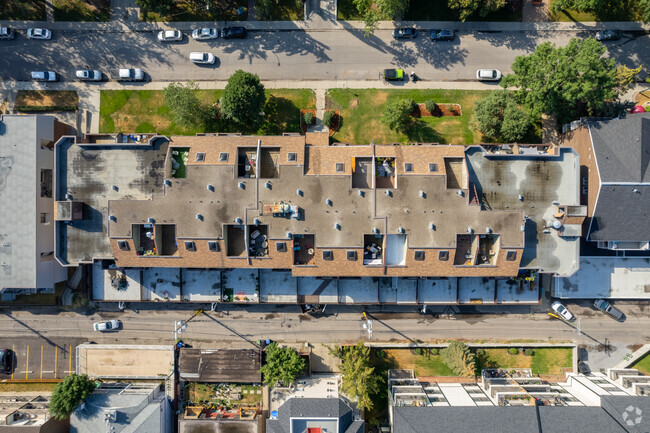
{"x":143,"y":111}
{"x":79,"y":10}
{"x":625,"y":10}
{"x":22,"y":10}
{"x":361,"y":112}
{"x":46,"y":100}
{"x":643,"y":365}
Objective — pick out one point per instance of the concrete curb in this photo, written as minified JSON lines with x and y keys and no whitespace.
{"x":636,"y":355}
{"x":473,"y":345}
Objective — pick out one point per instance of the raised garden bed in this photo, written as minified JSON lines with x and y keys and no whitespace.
{"x":442,"y":110}
{"x":304,"y":127}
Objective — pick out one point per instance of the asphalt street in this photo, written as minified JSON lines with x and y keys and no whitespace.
{"x":292,"y":55}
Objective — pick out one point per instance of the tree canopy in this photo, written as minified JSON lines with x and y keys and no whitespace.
{"x":243,"y":101}
{"x":376,"y":10}
{"x":283,"y":365}
{"x":499,"y":117}
{"x":397,"y":114}
{"x":359,"y":379}
{"x":470,"y":7}
{"x":564,"y":81}
{"x":458,"y":357}
{"x":69,"y":394}
{"x":183,"y":102}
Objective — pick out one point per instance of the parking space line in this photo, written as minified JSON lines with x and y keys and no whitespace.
{"x":41,"y":362}
{"x":55,"y":361}
{"x":13,"y":352}
{"x":27,"y":364}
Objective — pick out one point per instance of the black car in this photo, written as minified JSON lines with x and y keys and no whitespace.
{"x":233,"y":33}
{"x":7,"y":360}
{"x":608,"y":35}
{"x":442,"y":35}
{"x":405,"y":33}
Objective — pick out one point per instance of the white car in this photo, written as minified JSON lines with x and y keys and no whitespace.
{"x":562,"y":311}
{"x":110,"y":325}
{"x":170,"y":35}
{"x":89,"y":75}
{"x":39,"y":34}
{"x":44,"y":76}
{"x":202,"y":58}
{"x":7,"y":33}
{"x":488,"y":75}
{"x":205,"y":34}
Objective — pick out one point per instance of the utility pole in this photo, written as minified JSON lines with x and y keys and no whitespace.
{"x":181,"y":325}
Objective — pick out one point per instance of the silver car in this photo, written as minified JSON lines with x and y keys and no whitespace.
{"x":35,"y":33}
{"x":7,"y":33}
{"x":89,"y":75}
{"x":44,"y":76}
{"x":205,"y":34}
{"x":109,"y":325}
{"x":170,"y":35}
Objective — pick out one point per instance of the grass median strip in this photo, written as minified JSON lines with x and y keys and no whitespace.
{"x":144,"y":111}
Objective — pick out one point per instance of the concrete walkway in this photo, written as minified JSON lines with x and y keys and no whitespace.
{"x":638,"y":354}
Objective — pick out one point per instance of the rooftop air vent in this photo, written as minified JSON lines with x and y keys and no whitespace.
{"x":168,"y":182}
{"x":389,"y":193}
{"x":470,"y":230}
{"x":150,"y":220}
{"x":328,"y":202}
{"x":423,"y":194}
{"x":337,"y":226}
{"x":199,"y":217}
{"x":210,"y":187}
{"x":460,"y":192}
{"x":299,"y":192}
{"x":242,"y":185}
{"x":238,"y":220}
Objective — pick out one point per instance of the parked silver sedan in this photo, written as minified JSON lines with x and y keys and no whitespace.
{"x":170,"y":35}
{"x":89,"y":75}
{"x":205,"y":34}
{"x":42,"y":34}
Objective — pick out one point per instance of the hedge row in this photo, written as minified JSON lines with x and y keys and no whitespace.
{"x":35,"y":108}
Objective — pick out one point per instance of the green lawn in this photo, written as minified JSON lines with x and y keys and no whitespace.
{"x":79,"y":10}
{"x":543,"y":361}
{"x":28,"y":10}
{"x":361,"y":113}
{"x":144,"y":111}
{"x":623,"y":10}
{"x":288,"y":10}
{"x":189,"y":11}
{"x":643,"y":365}
{"x":427,"y":10}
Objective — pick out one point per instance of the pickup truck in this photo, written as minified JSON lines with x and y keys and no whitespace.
{"x":609,"y":309}
{"x":127,"y":74}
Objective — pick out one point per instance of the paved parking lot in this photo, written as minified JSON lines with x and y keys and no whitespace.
{"x":42,"y":358}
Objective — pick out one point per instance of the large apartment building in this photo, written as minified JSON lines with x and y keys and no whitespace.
{"x":297,"y":203}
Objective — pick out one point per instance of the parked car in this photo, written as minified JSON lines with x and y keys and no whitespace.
{"x":638,"y":109}
{"x":35,"y":33}
{"x":583,"y":368}
{"x":170,"y":35}
{"x":560,"y":309}
{"x":127,"y":74}
{"x":109,"y":325}
{"x":7,"y":360}
{"x":405,"y":33}
{"x":488,"y":75}
{"x":609,"y":309}
{"x":205,"y":33}
{"x":393,"y":74}
{"x":233,"y":33}
{"x":608,"y":35}
{"x":7,"y":33}
{"x":202,"y":58}
{"x":89,"y":75}
{"x":442,"y":35}
{"x":44,"y":76}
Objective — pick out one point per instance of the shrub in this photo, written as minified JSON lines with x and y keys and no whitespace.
{"x":328,"y":117}
{"x":480,"y":352}
{"x":418,"y":351}
{"x":458,"y":357}
{"x":397,"y":114}
{"x":430,"y":106}
{"x":434,"y":351}
{"x":451,"y":108}
{"x":529,"y":352}
{"x":513,"y":351}
{"x":380,"y":353}
{"x":308,"y":118}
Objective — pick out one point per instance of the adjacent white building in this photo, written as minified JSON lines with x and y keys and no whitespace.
{"x":27,"y":261}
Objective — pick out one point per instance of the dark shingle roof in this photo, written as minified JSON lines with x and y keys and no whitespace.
{"x":621,"y":214}
{"x":622,"y":148}
{"x":220,"y":365}
{"x":316,"y":408}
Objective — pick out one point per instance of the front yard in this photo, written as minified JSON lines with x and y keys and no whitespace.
{"x":643,"y":365}
{"x":361,"y":112}
{"x":46,"y":100}
{"x":195,"y":11}
{"x":82,"y":10}
{"x":27,"y":10}
{"x":624,"y":10}
{"x":427,"y":10}
{"x":144,"y":111}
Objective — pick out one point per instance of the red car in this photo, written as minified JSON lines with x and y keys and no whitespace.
{"x":637,"y":109}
